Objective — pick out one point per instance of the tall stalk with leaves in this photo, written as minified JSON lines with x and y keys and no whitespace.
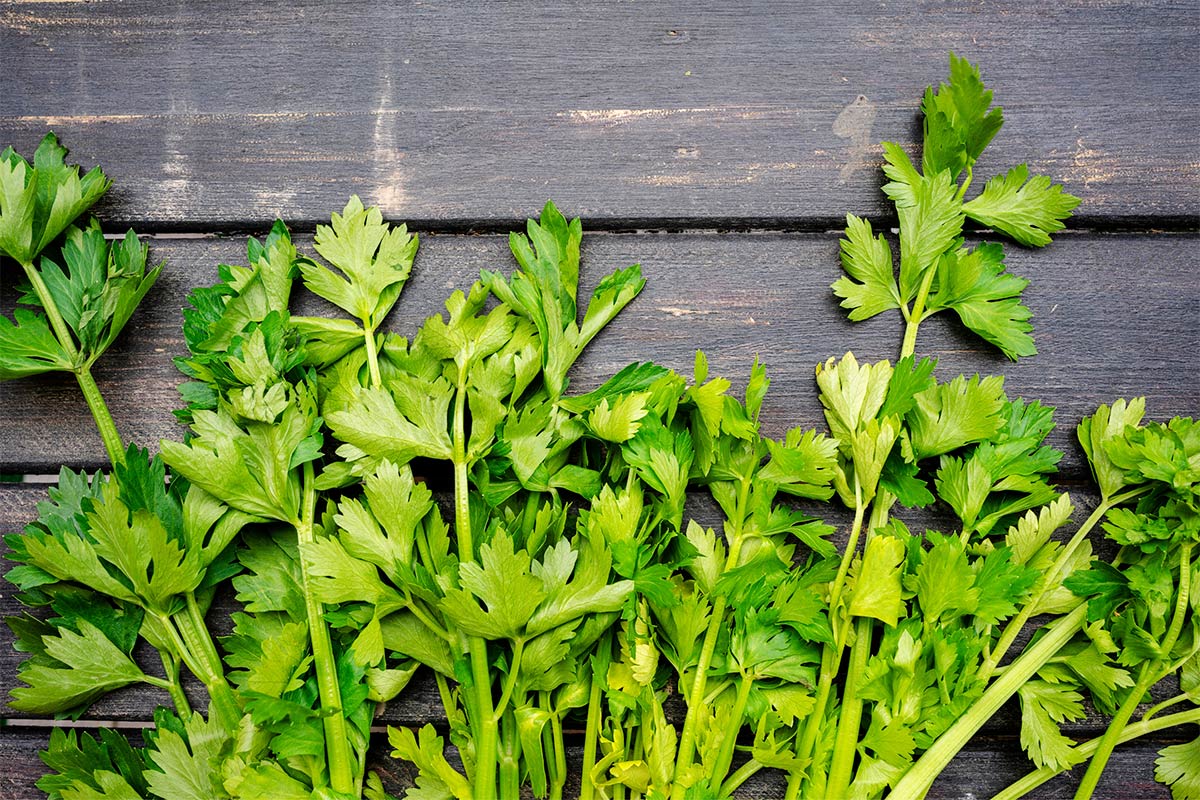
{"x":256,"y":439}
{"x":890,"y":423}
{"x":954,"y":605}
{"x":80,"y":301}
{"x":504,"y":603}
{"x":118,"y":557}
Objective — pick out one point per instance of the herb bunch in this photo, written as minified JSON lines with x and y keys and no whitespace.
{"x":954,"y":605}
{"x":379,"y":505}
{"x":122,"y":557}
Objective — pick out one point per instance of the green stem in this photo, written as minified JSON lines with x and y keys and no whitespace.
{"x":337,"y":742}
{"x":429,"y":622}
{"x":743,"y":773}
{"x":372,"y":355}
{"x":208,"y":648}
{"x":962,"y":191}
{"x":174,"y":688}
{"x":100,"y":413}
{"x":839,"y":581}
{"x":1108,"y":741}
{"x":157,"y":683}
{"x":920,"y":776}
{"x":850,"y":721}
{"x":793,"y":786}
{"x":199,"y":641}
{"x":1181,"y":598}
{"x":443,"y":687}
{"x":1050,"y":580}
{"x":558,"y":767}
{"x":57,"y":323}
{"x":1146,"y":679}
{"x":510,"y":682}
{"x":509,"y":754}
{"x":488,"y":734}
{"x":188,"y":648}
{"x":851,"y":718}
{"x":687,"y":738}
{"x":91,"y":393}
{"x":831,"y":656}
{"x":1171,"y":701}
{"x":591,"y":736}
{"x":725,"y":754}
{"x":1037,"y":777}
{"x":909,"y":345}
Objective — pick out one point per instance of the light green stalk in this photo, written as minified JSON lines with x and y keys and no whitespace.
{"x":850,"y":720}
{"x":487,"y":732}
{"x":1050,"y":580}
{"x":725,"y":754}
{"x":1037,"y":777}
{"x":920,"y":776}
{"x":337,"y":742}
{"x":914,"y":317}
{"x":188,"y":647}
{"x":591,"y":736}
{"x":687,"y":738}
{"x":831,"y":656}
{"x":1151,"y":673}
{"x":372,"y":355}
{"x":743,"y":773}
{"x":173,"y":686}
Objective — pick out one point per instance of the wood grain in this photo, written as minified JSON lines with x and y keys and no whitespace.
{"x":471,"y":114}
{"x":1115,"y":315}
{"x":976,"y":772}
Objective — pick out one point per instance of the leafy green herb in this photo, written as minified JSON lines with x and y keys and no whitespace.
{"x":483,"y":390}
{"x":937,"y":272}
{"x":85,"y":296}
{"x":570,"y":585}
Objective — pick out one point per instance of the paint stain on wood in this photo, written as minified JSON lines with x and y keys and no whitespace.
{"x":675,"y":311}
{"x":1089,"y":165}
{"x":389,"y":194}
{"x":855,"y":123}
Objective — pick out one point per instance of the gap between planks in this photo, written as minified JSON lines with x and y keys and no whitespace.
{"x":816,"y":226}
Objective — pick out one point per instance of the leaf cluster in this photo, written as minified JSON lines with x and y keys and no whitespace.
{"x":937,"y":271}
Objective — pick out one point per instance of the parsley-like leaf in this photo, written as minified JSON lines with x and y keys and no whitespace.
{"x":39,"y":200}
{"x":1178,"y":766}
{"x":1027,"y":209}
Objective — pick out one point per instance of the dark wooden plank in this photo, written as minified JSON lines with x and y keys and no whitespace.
{"x":474,"y":113}
{"x":977,"y":772}
{"x":1115,"y":315}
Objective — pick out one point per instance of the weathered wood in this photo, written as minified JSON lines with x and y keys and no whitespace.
{"x":1115,"y":315}
{"x":977,"y":772}
{"x":471,"y":114}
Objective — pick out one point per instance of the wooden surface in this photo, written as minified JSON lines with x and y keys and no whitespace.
{"x":717,"y":145}
{"x":471,"y":114}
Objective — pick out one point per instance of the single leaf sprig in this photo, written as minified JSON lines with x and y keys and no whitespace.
{"x":85,"y":300}
{"x":936,"y":271}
